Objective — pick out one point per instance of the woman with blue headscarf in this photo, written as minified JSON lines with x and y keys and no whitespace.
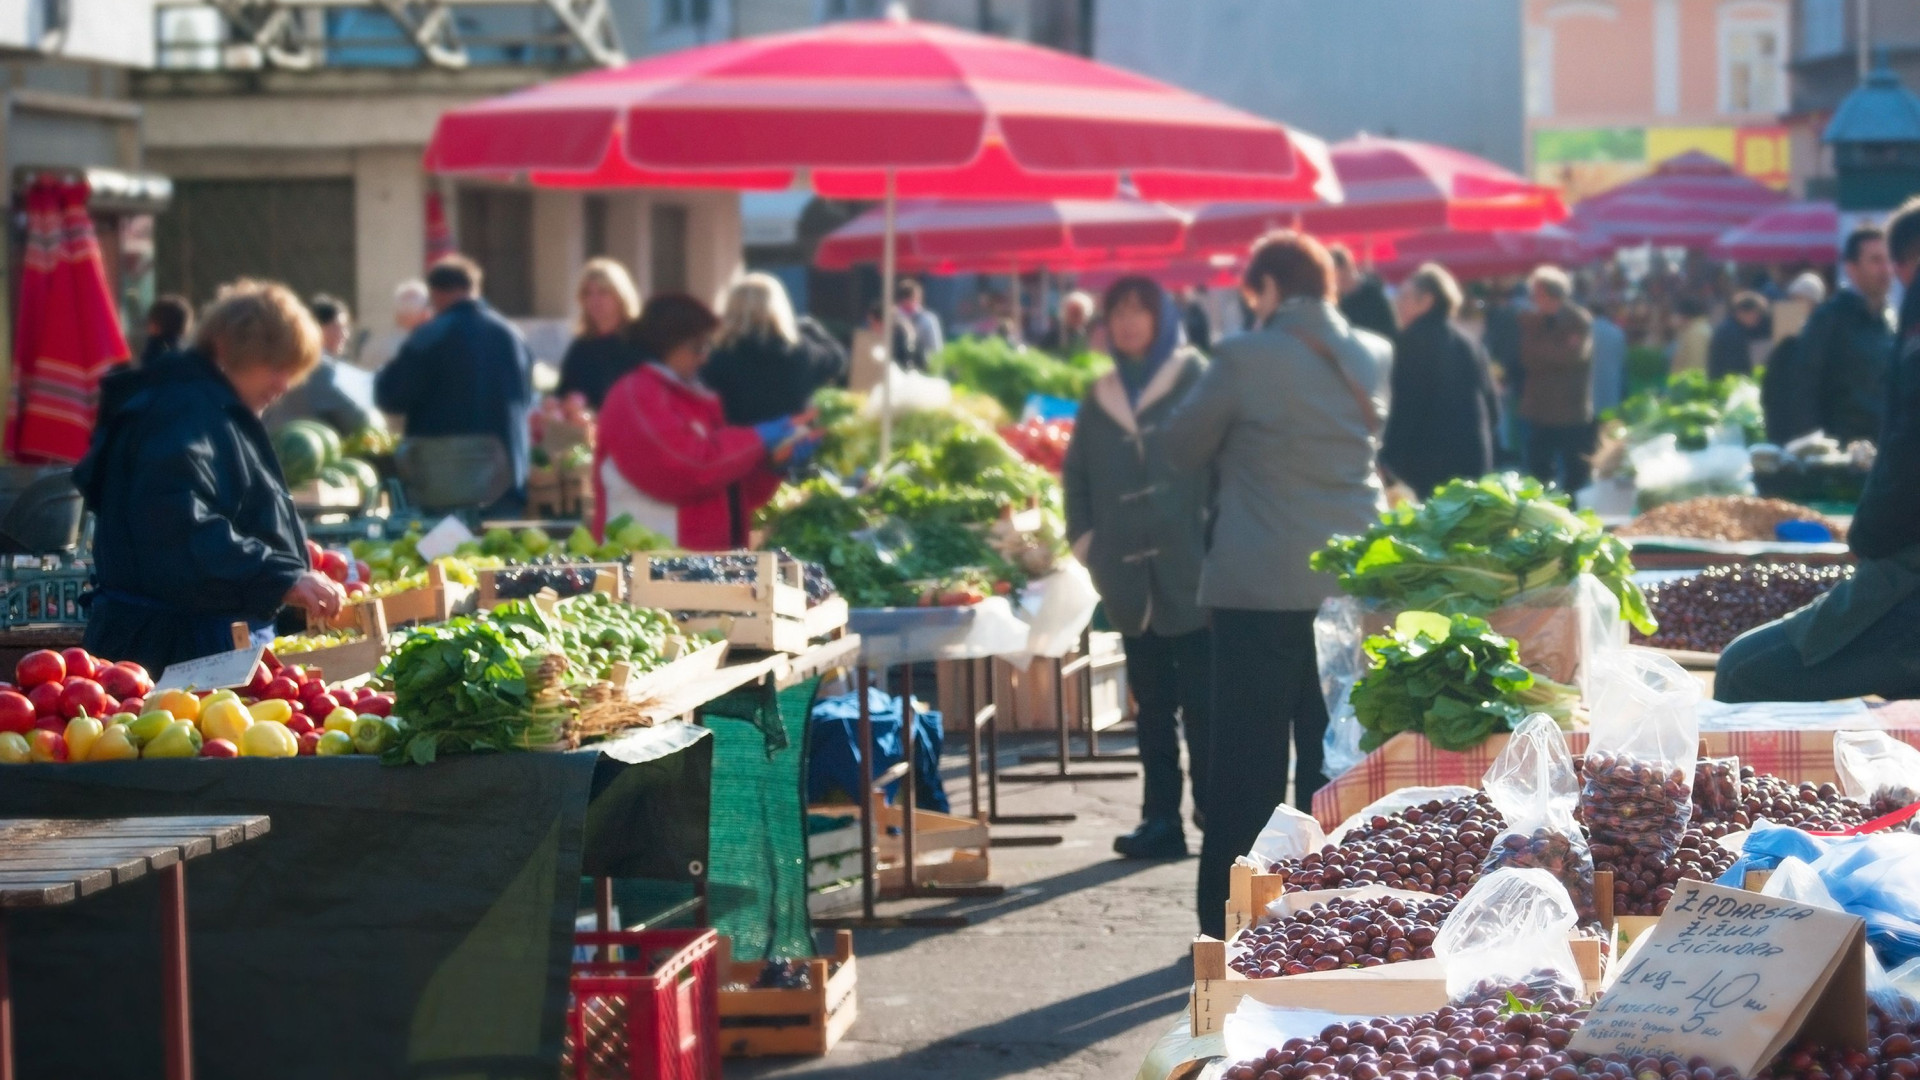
{"x":1139,"y":524}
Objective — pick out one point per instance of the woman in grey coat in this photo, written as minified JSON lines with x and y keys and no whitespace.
{"x":1139,"y":525}
{"x":1289,"y":415}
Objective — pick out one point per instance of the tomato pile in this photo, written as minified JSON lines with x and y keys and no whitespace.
{"x":1042,"y":442}
{"x":73,"y":707}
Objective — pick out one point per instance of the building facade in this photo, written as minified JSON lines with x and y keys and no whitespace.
{"x":1834,"y":43}
{"x":1614,"y":87}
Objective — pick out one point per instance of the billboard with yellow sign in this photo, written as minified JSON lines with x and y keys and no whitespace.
{"x":1587,"y":161}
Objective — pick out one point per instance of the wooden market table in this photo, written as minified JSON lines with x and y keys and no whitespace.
{"x":48,"y":863}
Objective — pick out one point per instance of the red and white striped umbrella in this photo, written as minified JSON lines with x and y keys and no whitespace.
{"x":1687,"y":201}
{"x":1798,"y":232}
{"x":999,"y":236}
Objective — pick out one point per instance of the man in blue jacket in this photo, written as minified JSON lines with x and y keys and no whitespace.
{"x":466,"y":371}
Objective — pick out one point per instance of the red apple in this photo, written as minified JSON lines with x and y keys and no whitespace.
{"x":296,"y":672}
{"x":300,"y":723}
{"x":314,"y":554}
{"x":140,"y":676}
{"x":79,"y":663}
{"x":39,"y":667}
{"x":120,"y":682}
{"x":219,"y":748}
{"x":262,"y":675}
{"x":133,"y":705}
{"x":333,"y":564}
{"x":46,"y":698}
{"x":17,"y":714}
{"x":47,"y":745}
{"x":283,"y":688}
{"x":378,"y":705}
{"x":50,"y":723}
{"x":82,"y":695}
{"x":309,"y":743}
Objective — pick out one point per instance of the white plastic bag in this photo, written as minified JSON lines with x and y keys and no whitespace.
{"x":1288,"y":834}
{"x":1067,"y":600}
{"x":1877,"y":769}
{"x":1664,"y":473}
{"x":1797,"y":881}
{"x":1638,"y":791}
{"x":1533,"y":785}
{"x":1509,"y":935}
{"x":1337,"y":645}
{"x":907,"y":391}
{"x":1394,"y":802}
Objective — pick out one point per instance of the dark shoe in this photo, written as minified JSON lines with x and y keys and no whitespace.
{"x":1153,"y":840}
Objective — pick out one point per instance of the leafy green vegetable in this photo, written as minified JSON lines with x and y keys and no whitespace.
{"x":1010,"y":374}
{"x":1692,"y":408}
{"x":1456,"y":689}
{"x":1475,"y":544}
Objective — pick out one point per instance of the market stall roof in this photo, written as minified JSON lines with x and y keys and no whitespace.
{"x":1009,"y":235}
{"x":1687,"y":201}
{"x":1474,"y":255}
{"x":951,"y":113}
{"x":1391,"y":187}
{"x":1798,"y":232}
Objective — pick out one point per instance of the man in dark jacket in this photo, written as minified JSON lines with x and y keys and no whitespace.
{"x":466,"y":371}
{"x":1730,"y":351}
{"x":1363,"y":300}
{"x":1863,"y":637}
{"x":1848,"y":342}
{"x":1445,"y":412}
{"x":1556,"y":400}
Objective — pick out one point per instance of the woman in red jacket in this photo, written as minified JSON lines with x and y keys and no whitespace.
{"x":665,"y":453}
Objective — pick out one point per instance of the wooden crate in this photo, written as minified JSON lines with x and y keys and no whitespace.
{"x":1628,"y":928}
{"x":769,"y":615}
{"x":610,"y":578}
{"x":350,"y":660}
{"x":788,"y":1023}
{"x":1412,"y":986}
{"x":432,"y":602}
{"x":947,"y":849}
{"x":705,"y":659}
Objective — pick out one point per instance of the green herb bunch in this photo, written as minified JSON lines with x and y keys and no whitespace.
{"x":1453,"y":680}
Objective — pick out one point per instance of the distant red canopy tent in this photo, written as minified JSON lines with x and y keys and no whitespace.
{"x":1472,"y":256}
{"x":1010,"y":236}
{"x":66,"y":332}
{"x":1390,"y":188}
{"x":1687,"y":201}
{"x":1802,"y":232}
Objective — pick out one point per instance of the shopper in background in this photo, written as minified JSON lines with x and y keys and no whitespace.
{"x":1070,"y":333}
{"x":321,"y":395}
{"x":1195,"y":318}
{"x":466,"y":371}
{"x":1500,"y":334}
{"x":600,"y":352}
{"x":1556,"y":399}
{"x":1788,"y":398}
{"x":767,"y":364}
{"x":411,"y":308}
{"x":1609,"y":362}
{"x":1139,"y":524}
{"x":1692,"y":340}
{"x":1363,"y":300}
{"x":1863,"y":636}
{"x":911,"y":301}
{"x":1287,"y":415}
{"x":1446,"y":414}
{"x":1745,"y":332}
{"x":169,"y":322}
{"x":666,"y":455}
{"x":1848,"y":340}
{"x":194,"y":530}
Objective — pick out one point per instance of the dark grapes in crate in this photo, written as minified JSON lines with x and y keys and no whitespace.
{"x":737,"y":568}
{"x":566,"y":575}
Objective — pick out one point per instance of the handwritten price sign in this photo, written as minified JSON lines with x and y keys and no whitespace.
{"x":1732,"y":976}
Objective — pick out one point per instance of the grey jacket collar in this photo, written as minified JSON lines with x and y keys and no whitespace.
{"x":1112,"y":397}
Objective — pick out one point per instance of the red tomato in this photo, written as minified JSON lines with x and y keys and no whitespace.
{"x":40,"y":666}
{"x":300,"y":723}
{"x":79,"y":663}
{"x":283,"y":688}
{"x":46,"y":699}
{"x":333,"y":564}
{"x":16,"y":712}
{"x":313,"y":555}
{"x":309,"y":743}
{"x":133,"y":705}
{"x":261,"y":677}
{"x":378,"y":705}
{"x":140,"y":675}
{"x":83,"y":695}
{"x":219,"y":748}
{"x":120,"y":682}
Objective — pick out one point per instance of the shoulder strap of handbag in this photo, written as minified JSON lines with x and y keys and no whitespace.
{"x":1360,"y":397}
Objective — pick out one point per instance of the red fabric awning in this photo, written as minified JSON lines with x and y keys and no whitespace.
{"x":1004,"y":235}
{"x":1687,"y":201}
{"x":1798,"y":232}
{"x":67,"y":334}
{"x":1471,"y":256}
{"x":957,"y":114}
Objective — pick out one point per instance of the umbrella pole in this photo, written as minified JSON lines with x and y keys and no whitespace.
{"x":1019,"y":324}
{"x":888,"y":315}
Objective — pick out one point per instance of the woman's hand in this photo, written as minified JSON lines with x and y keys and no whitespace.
{"x":316,"y":594}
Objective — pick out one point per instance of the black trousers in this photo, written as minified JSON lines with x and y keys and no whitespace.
{"x":1171,"y":680}
{"x":1267,"y":709}
{"x":1559,"y":455}
{"x":1763,"y":665}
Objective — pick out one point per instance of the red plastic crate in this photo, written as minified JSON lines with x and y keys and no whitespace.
{"x":650,"y":1013}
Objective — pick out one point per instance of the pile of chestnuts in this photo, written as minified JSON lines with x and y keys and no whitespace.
{"x":1340,"y":933}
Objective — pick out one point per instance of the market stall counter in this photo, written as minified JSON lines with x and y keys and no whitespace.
{"x":403,"y":922}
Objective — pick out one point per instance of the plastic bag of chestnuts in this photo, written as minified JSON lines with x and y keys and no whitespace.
{"x":1536,"y":789}
{"x":1638,"y":791}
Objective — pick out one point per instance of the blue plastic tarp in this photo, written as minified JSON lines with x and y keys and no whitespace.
{"x":834,"y":769}
{"x":1876,"y":877}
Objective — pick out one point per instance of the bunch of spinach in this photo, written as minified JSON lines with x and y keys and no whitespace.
{"x":1692,"y":408}
{"x":1476,"y":544}
{"x":1011,"y":373}
{"x":463,"y":688}
{"x":1451,"y":679}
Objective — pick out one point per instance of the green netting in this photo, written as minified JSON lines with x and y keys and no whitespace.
{"x":757,"y":872}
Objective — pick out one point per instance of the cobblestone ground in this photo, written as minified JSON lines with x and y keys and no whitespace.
{"x":1073,"y":973}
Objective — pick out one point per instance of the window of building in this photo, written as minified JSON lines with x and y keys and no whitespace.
{"x":1539,"y":71}
{"x":1823,"y":28}
{"x":668,"y":248}
{"x":300,"y":231}
{"x":495,"y":229}
{"x":849,"y":9}
{"x":685,"y":13}
{"x":1753,"y":54}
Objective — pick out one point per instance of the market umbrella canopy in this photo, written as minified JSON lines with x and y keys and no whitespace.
{"x":1009,"y":234}
{"x":1798,"y":232}
{"x":952,"y":113}
{"x":1391,"y":187}
{"x":1475,"y":255}
{"x":1687,"y":201}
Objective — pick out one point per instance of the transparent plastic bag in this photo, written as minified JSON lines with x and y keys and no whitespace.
{"x":1509,"y":935}
{"x":1337,"y":641}
{"x":1664,"y":473}
{"x":1877,"y":769}
{"x":1797,"y":881}
{"x":1718,"y":791}
{"x":1396,"y":801}
{"x":1638,"y":792}
{"x":1288,"y":834}
{"x":1534,"y":786}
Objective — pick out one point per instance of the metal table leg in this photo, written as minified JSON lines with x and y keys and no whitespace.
{"x":1063,"y":670}
{"x":6,"y":1007}
{"x":177,"y":1035}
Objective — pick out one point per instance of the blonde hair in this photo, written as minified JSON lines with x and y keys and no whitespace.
{"x":259,"y":323}
{"x":1551,"y":280}
{"x":1078,"y":299}
{"x":757,"y":306}
{"x":614,"y":277}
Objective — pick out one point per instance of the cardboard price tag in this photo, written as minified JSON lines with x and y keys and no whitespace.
{"x":1732,"y":977}
{"x":217,"y":672}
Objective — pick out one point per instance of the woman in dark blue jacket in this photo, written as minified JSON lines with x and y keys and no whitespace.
{"x":194,"y":530}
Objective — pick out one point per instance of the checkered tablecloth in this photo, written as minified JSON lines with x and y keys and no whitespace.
{"x":1409,"y":760}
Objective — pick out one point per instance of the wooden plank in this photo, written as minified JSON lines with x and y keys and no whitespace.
{"x":87,"y":881}
{"x":27,"y":894}
{"x":159,"y":854}
{"x":123,"y":867}
{"x":153,"y":858}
